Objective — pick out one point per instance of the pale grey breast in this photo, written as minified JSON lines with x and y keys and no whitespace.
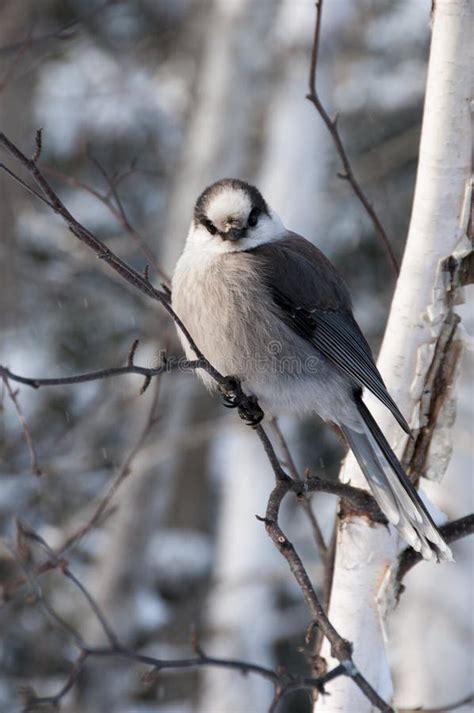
{"x":223,"y":301}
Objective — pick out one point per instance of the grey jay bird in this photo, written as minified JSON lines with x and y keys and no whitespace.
{"x":265,"y":305}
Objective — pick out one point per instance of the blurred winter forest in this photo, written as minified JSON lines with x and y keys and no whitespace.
{"x":143,"y":103}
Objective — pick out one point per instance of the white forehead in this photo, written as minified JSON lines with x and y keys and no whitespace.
{"x":229,"y":202}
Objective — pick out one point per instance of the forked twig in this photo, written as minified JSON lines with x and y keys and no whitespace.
{"x":282,"y":681}
{"x":35,"y":467}
{"x":341,"y":649}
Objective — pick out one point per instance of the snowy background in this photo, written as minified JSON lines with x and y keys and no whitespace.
{"x":167,"y":96}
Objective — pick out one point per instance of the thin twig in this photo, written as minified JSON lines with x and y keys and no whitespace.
{"x":272,"y":456}
{"x":117,"y":211}
{"x":65,"y":32}
{"x":31,"y":190}
{"x":248,"y":409}
{"x":283,"y":682}
{"x":33,"y":702}
{"x":452,"y":531}
{"x":123,"y":219}
{"x":341,"y":649}
{"x":347,"y":174}
{"x":35,"y":468}
{"x":360,"y":501}
{"x":327,"y":586}
{"x":315,"y":528}
{"x":174,"y":364}
{"x":247,"y":405}
{"x":31,"y":579}
{"x":133,"y":277}
{"x":8,"y":74}
{"x":282,"y":691}
{"x":39,"y":146}
{"x":61,"y":563}
{"x":283,"y":444}
{"x":122,"y":475}
{"x":304,"y":501}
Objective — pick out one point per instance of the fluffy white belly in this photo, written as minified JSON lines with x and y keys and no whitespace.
{"x":235,"y":323}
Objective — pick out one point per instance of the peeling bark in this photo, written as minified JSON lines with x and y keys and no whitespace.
{"x":421,"y":347}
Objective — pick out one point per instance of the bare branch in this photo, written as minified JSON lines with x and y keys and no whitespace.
{"x":133,"y":277}
{"x":31,"y":579}
{"x":358,"y":501}
{"x":35,"y":468}
{"x":31,"y":190}
{"x":315,"y":528}
{"x":9,"y":72}
{"x":32,"y":701}
{"x":326,"y":593}
{"x":304,"y":502}
{"x":248,"y":410}
{"x":65,"y":32}
{"x":282,"y":442}
{"x":39,"y":145}
{"x":284,"y":682}
{"x":117,"y":210}
{"x":278,"y":471}
{"x":332,"y":126}
{"x":126,"y":469}
{"x":177,"y":363}
{"x":452,"y":531}
{"x":340,"y":648}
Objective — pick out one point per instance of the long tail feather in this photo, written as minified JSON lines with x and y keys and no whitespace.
{"x":392,"y":488}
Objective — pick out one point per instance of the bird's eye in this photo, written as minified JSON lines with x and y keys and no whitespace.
{"x":210,"y":227}
{"x":253,"y":217}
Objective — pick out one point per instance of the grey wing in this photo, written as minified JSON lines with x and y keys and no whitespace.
{"x":312,"y":299}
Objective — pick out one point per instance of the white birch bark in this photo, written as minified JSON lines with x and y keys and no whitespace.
{"x":423,"y":677}
{"x":417,"y":319}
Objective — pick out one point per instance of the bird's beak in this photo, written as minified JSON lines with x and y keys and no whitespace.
{"x":234,"y":234}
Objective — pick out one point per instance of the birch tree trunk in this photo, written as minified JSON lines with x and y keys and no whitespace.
{"x":422,"y":677}
{"x":419,"y":341}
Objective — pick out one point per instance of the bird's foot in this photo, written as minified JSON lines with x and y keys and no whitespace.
{"x":247,"y":406}
{"x":250,"y":411}
{"x":231,"y":391}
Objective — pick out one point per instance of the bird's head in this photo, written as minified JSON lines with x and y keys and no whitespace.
{"x":232,"y":215}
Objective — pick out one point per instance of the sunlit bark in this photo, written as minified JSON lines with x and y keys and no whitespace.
{"x":419,"y":317}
